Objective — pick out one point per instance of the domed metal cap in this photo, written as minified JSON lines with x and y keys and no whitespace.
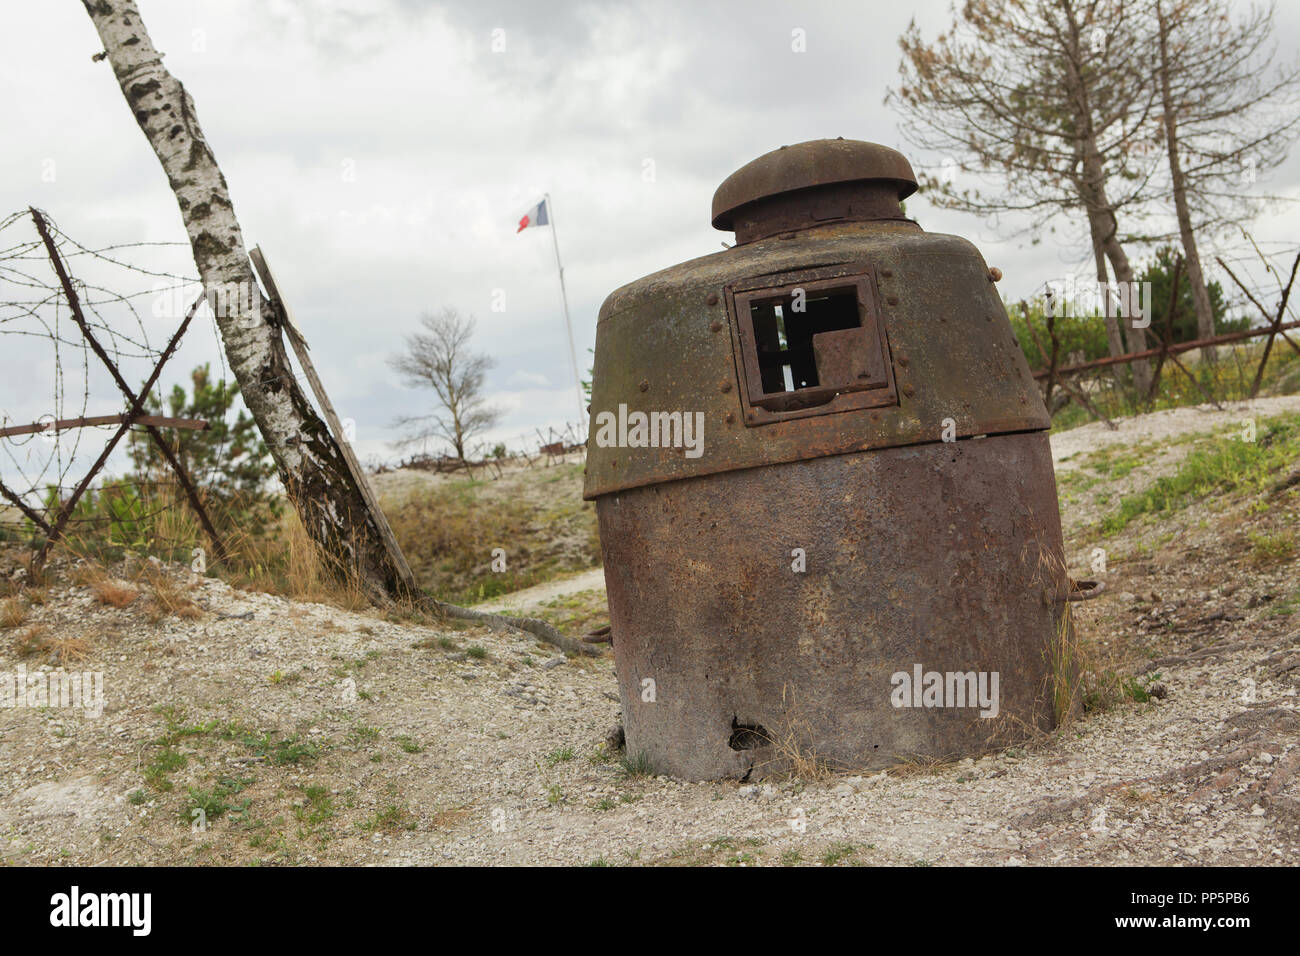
{"x":819,"y":162}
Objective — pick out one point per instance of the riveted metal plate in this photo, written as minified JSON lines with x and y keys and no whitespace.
{"x":851,"y":364}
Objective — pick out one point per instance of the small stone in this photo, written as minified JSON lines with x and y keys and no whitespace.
{"x":614,"y":739}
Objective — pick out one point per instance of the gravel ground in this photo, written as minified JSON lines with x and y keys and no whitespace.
{"x":1159,"y":426}
{"x":314,"y":735}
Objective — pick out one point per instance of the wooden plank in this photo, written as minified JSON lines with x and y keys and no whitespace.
{"x":300,"y":349}
{"x":63,"y":424}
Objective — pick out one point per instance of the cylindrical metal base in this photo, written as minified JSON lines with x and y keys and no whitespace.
{"x":770,"y":615}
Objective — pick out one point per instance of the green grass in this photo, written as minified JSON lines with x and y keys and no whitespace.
{"x":1138,"y":689}
{"x":408,"y":745}
{"x":1222,"y":464}
{"x":316,"y":808}
{"x":1272,"y":548}
{"x":393,"y":818}
{"x":215,"y":802}
{"x":636,"y":765}
{"x":576,"y":613}
{"x":1228,"y":380}
{"x":166,"y":761}
{"x":448,"y":528}
{"x":559,"y":756}
{"x":838,"y":853}
{"x":1286,"y":607}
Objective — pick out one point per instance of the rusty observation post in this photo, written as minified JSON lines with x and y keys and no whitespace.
{"x":826,"y":500}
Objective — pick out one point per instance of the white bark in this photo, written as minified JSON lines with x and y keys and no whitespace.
{"x":311,"y":465}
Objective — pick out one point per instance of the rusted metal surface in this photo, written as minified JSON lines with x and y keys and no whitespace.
{"x":873,"y":492}
{"x":939,"y":555}
{"x":812,"y":166}
{"x":946,"y":332}
{"x":803,"y":209}
{"x":1178,"y":349}
{"x":63,"y":424}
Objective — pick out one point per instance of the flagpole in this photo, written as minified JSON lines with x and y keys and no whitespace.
{"x":568,"y":325}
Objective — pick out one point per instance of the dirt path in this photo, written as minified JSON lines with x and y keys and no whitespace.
{"x":306,"y":734}
{"x":531,"y":597}
{"x":1067,"y":448}
{"x":1158,"y":426}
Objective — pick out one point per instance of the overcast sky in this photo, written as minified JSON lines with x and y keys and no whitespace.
{"x":381,"y":154}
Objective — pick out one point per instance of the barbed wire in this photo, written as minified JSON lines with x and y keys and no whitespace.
{"x":34,"y":309}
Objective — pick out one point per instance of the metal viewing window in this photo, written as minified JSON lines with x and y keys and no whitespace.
{"x":809,"y":343}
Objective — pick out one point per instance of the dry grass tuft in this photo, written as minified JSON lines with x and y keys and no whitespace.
{"x":69,"y":650}
{"x":113,"y":593}
{"x":167,"y":597}
{"x":289,"y":563}
{"x":920,"y":765}
{"x":790,"y":750}
{"x":12,"y":613}
{"x":32,"y":641}
{"x":444,"y":819}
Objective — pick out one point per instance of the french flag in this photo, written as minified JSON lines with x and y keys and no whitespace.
{"x":534,"y":217}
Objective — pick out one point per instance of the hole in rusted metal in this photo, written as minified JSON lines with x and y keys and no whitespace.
{"x":747,"y":736}
{"x":810,"y":345}
{"x":791,"y":358}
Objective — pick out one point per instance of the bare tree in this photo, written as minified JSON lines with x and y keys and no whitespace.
{"x":1050,"y":99}
{"x":440,"y":358}
{"x":310,"y":462}
{"x":1224,"y":119}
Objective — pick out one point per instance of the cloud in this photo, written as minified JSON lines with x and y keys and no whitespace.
{"x":380,"y":153}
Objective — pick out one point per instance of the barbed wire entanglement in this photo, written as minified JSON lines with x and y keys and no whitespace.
{"x":77,"y":325}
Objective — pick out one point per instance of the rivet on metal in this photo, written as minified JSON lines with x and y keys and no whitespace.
{"x":908,"y":390}
{"x":644,"y":386}
{"x":716,"y":326}
{"x":711,"y":299}
{"x":726,"y":386}
{"x":891,"y":300}
{"x":995,"y":274}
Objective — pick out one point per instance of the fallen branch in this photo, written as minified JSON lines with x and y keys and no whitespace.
{"x":535,"y":626}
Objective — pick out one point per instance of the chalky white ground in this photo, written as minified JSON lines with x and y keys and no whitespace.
{"x":1206,"y":775}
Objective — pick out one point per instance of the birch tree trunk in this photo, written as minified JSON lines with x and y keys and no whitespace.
{"x":311,"y":465}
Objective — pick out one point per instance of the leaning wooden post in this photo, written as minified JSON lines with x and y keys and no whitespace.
{"x":300,"y":348}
